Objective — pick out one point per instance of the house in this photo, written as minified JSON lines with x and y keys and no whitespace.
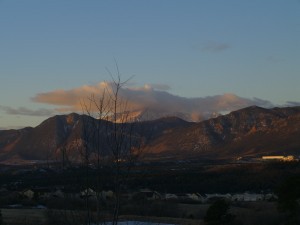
{"x":237,"y":197}
{"x":253,"y":197}
{"x":248,"y":197}
{"x":182,"y":196}
{"x":271,"y":197}
{"x":186,"y":197}
{"x":194,"y":197}
{"x":42,"y":192}
{"x":88,"y":193}
{"x":58,"y":194}
{"x":107,"y":195}
{"x":147,"y":194}
{"x":170,"y":196}
{"x":213,"y":197}
{"x":279,"y":157}
{"x":27,"y":193}
{"x":201,"y":198}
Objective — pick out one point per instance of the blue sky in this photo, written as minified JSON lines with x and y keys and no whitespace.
{"x":193,"y":49}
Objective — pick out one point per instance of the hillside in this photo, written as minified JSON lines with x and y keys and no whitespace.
{"x":251,"y":131}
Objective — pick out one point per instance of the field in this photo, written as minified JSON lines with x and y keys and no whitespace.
{"x":258,"y":213}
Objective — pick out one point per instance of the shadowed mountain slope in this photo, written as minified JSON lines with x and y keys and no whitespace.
{"x":251,"y":131}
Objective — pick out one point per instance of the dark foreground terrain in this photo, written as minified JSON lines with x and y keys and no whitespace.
{"x":164,"y":177}
{"x":50,"y":194}
{"x":187,"y":214}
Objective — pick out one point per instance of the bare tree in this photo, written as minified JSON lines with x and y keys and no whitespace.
{"x":85,"y":148}
{"x":111,"y":138}
{"x":92,"y":151}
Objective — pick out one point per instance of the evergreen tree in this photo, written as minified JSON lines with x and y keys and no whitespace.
{"x":288,"y":199}
{"x":218,"y":213}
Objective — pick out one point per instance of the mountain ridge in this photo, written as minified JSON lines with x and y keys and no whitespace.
{"x":251,"y":131}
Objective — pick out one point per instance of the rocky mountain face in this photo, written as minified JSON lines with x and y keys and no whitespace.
{"x":251,"y":131}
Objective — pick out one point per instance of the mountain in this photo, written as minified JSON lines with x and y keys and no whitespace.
{"x":252,"y":131}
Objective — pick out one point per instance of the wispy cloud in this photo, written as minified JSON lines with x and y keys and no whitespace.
{"x":291,"y":103}
{"x":157,"y":87}
{"x":26,"y":112}
{"x":149,"y":98}
{"x":160,"y":87}
{"x":11,"y":127}
{"x":214,"y":47}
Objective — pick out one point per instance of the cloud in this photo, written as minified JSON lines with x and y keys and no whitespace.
{"x":158,"y":87}
{"x":26,"y":112}
{"x":214,"y":47}
{"x":148,"y":98}
{"x":11,"y":127}
{"x":73,"y":100}
{"x":291,"y":103}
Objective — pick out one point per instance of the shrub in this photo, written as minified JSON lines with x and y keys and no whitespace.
{"x":218,"y":213}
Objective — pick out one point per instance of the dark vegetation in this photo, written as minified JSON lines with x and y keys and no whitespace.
{"x":163,"y":177}
{"x":1,"y":219}
{"x":289,"y":199}
{"x":167,"y":177}
{"x":224,"y":178}
{"x":218,"y":213}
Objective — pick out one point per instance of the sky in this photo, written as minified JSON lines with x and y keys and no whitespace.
{"x":197,"y":56}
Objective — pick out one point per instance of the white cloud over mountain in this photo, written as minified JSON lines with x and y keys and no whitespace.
{"x":153,"y":99}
